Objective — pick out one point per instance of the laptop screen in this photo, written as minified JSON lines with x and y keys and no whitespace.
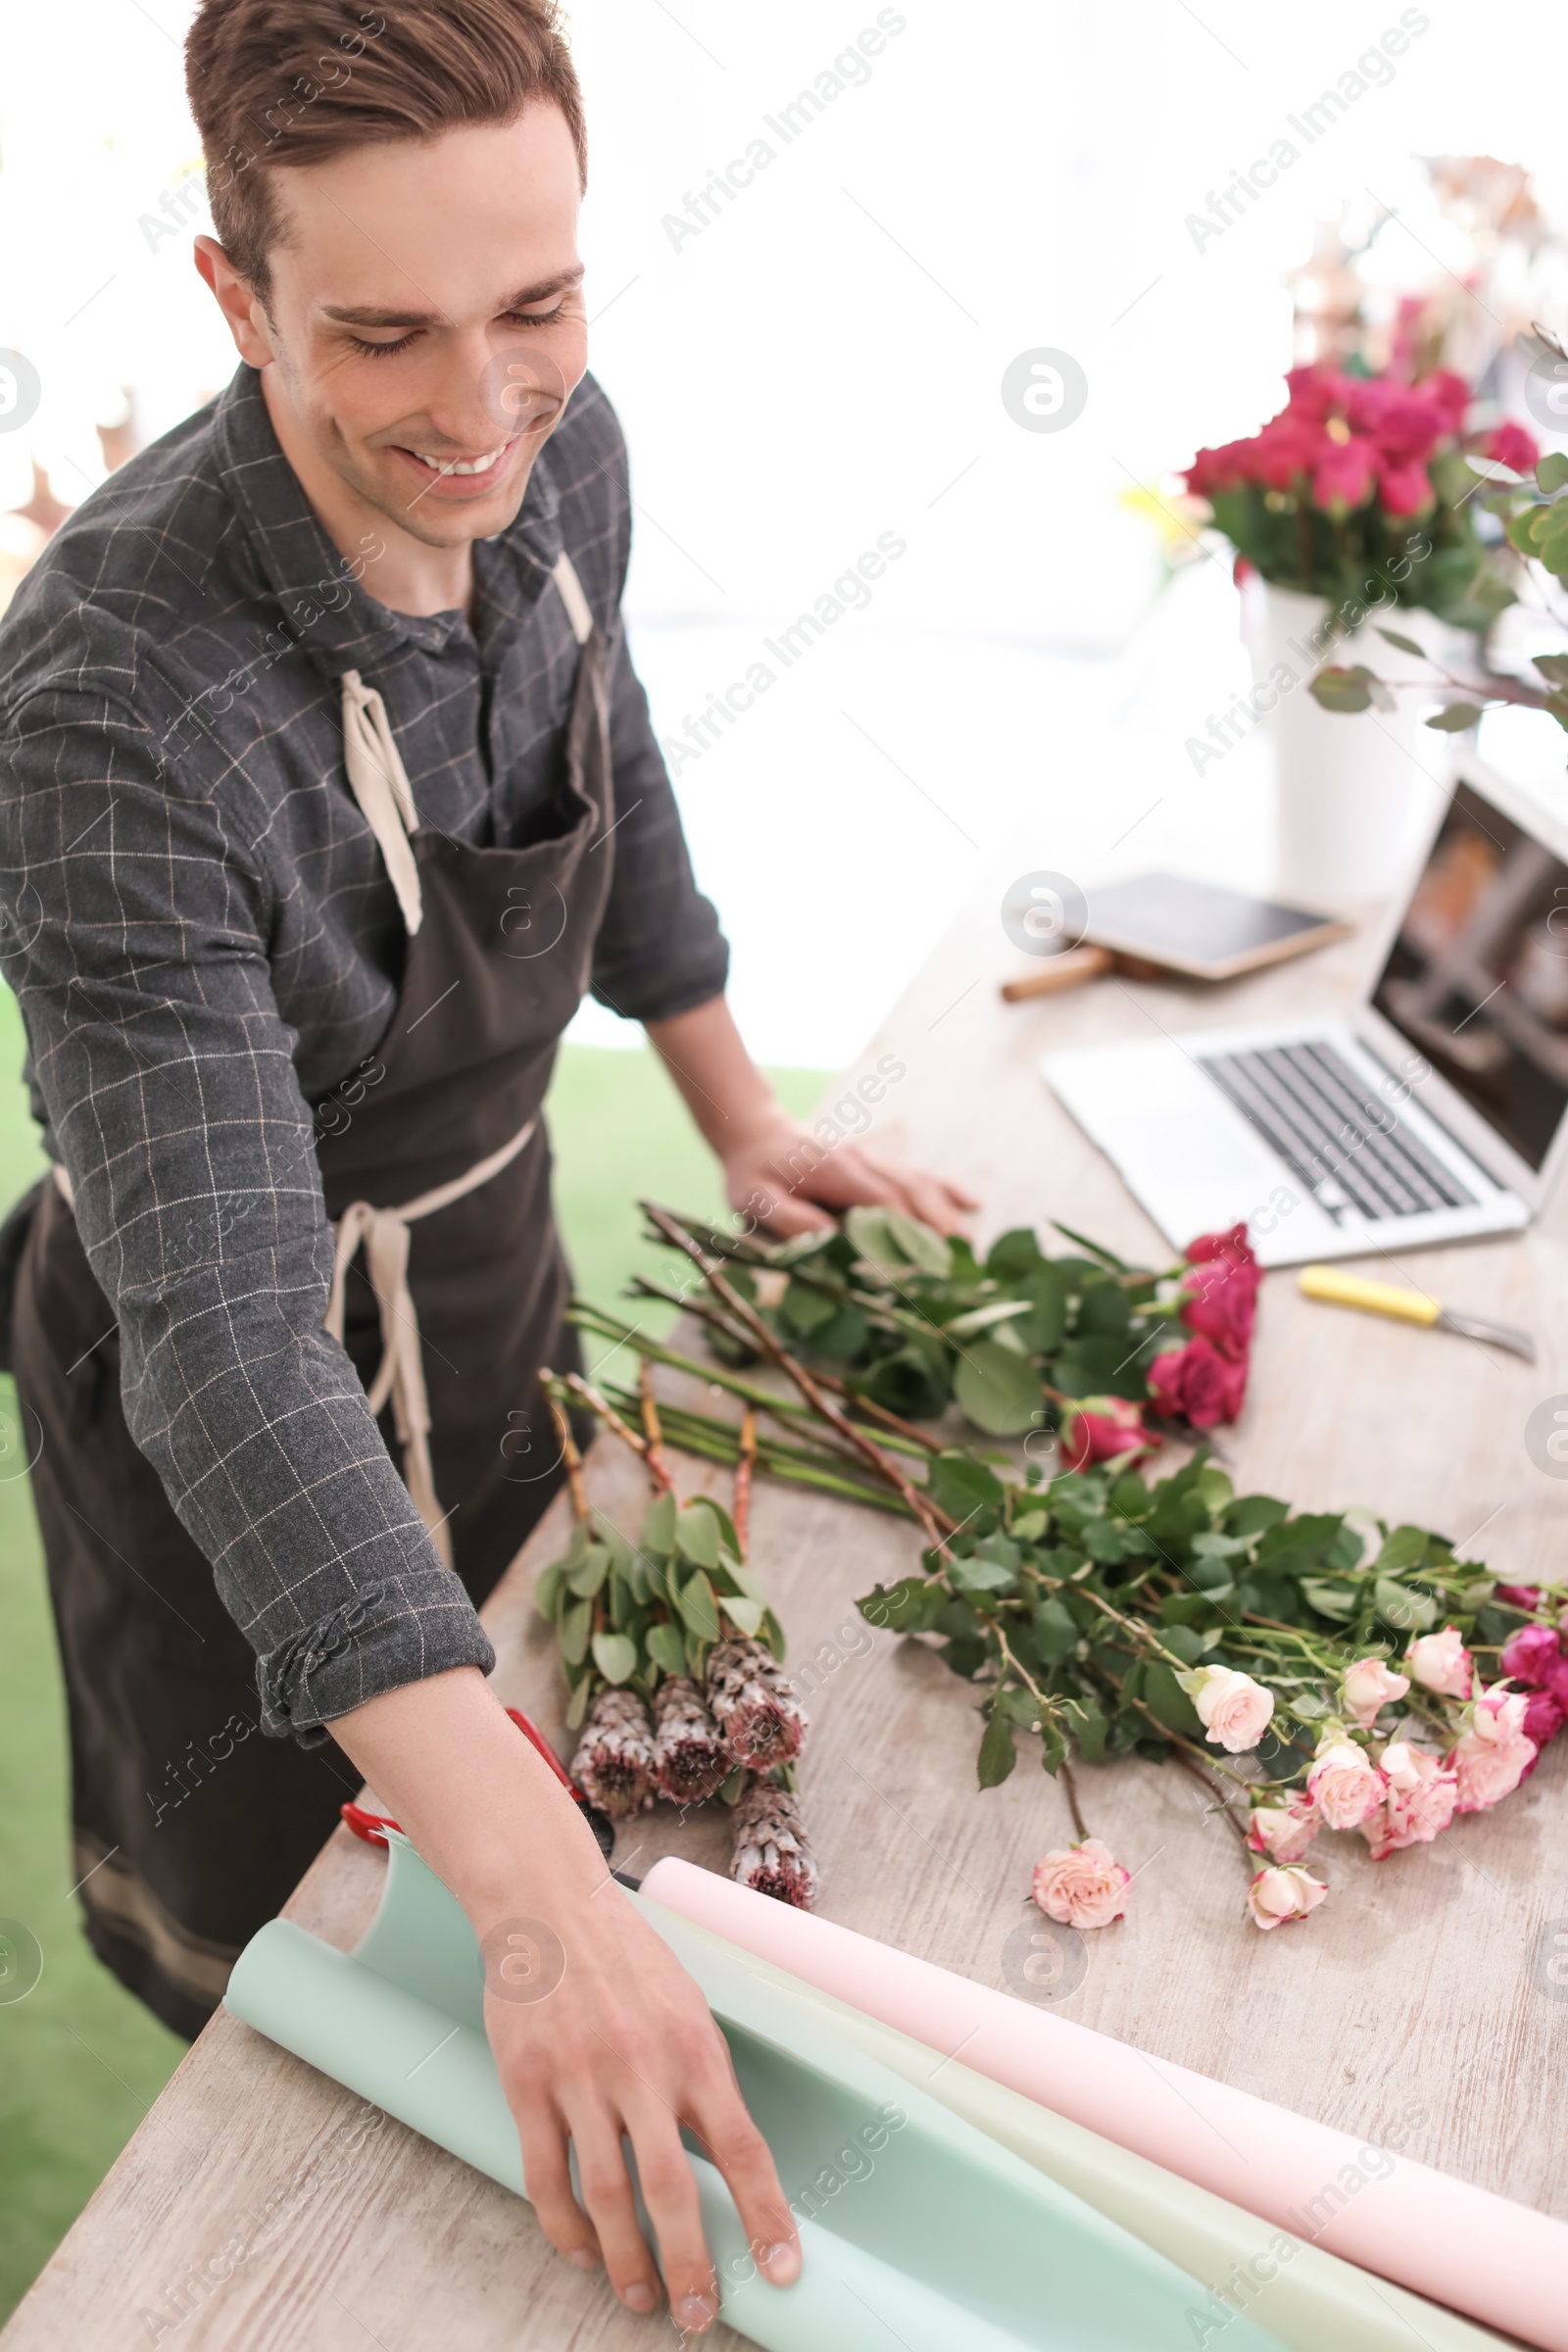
{"x":1478,"y":977}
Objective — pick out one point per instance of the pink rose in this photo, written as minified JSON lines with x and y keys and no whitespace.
{"x":1197,"y":1384}
{"x":1345,"y":1784}
{"x":1369,"y":1687}
{"x":1420,"y":1801}
{"x":1440,"y":1662}
{"x":1283,"y":1831}
{"x":1096,"y":1429}
{"x":1520,"y":1596}
{"x":1278,"y":1895}
{"x":1404,"y":489}
{"x":1494,"y":1755}
{"x":1081,"y":1886}
{"x":1235,"y":1710}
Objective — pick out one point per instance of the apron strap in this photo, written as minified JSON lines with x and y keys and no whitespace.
{"x":385,"y":1238}
{"x":578,"y":611}
{"x":380,"y":784}
{"x":377,"y":778}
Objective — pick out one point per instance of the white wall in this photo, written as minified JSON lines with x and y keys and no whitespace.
{"x":822,"y":364}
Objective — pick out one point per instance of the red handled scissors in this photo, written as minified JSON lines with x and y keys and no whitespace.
{"x":371,"y":1826}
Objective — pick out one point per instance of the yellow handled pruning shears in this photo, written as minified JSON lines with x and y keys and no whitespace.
{"x":1408,"y":1307}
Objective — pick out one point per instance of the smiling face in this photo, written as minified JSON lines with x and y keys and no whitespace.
{"x":422,"y":332}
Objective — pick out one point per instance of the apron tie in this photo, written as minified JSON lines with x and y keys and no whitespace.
{"x":380,"y":784}
{"x":384,"y":1235}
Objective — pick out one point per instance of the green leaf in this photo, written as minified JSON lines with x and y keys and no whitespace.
{"x":697,"y":1656}
{"x":960,"y":1486}
{"x":1090,"y":1728}
{"x":659,"y":1526}
{"x":666,"y":1647}
{"x":547,"y":1585}
{"x":1167,"y":1702}
{"x":699,"y":1608}
{"x":870,"y":1237}
{"x":805,"y":1310}
{"x":1403,"y":1607}
{"x":1099,"y":1367}
{"x":1553,"y":471}
{"x":999,"y":1752}
{"x":747,"y":1614}
{"x":697,"y":1536}
{"x":1056,"y":1635}
{"x":576,"y":1627}
{"x":1455,"y":717}
{"x":1553,"y":667}
{"x":1340,"y":689}
{"x":1491,"y":469}
{"x":731,"y":1791}
{"x":578,"y":1707}
{"x":920,"y":1243}
{"x":999,"y":1389}
{"x":1105,"y":1312}
{"x":1405,"y":1547}
{"x":982,"y":1318}
{"x":615,"y":1656}
{"x":909,"y":1607}
{"x":1253,"y":1513}
{"x":1330,"y":1600}
{"x":586,"y":1579}
{"x":1012,"y":1255}
{"x":1406,"y":644}
{"x":843,"y":1336}
{"x":981,"y":1576}
{"x":1046,"y":1326}
{"x":1184,"y":1643}
{"x":1052,"y":1749}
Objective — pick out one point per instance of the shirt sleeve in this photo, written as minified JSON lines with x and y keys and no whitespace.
{"x":140,"y":918}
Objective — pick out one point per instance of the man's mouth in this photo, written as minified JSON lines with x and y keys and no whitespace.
{"x":470,"y":473}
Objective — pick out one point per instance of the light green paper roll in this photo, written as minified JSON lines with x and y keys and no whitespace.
{"x":1314,"y":2300}
{"x":944,"y":2242}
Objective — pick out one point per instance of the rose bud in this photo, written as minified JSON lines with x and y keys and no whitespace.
{"x":1278,"y":1895}
{"x":1368,"y":1687}
{"x":1345,"y":1784}
{"x":1440,"y":1662}
{"x":1235,"y":1711}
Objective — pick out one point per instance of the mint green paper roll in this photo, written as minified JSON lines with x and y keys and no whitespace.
{"x":918,"y":2229}
{"x":1311,"y":2300}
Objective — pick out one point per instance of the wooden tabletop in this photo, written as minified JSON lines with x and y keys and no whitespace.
{"x":254,"y":2208}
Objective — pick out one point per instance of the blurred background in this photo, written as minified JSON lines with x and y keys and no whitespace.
{"x":809,"y":362}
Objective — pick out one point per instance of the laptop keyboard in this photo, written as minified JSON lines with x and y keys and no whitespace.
{"x":1330,"y":1127}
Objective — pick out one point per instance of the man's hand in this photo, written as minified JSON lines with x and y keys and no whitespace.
{"x":598,"y":2034}
{"x":781,"y":1174}
{"x":775,"y":1169}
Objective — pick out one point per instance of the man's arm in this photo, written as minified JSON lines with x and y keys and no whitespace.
{"x":775,"y":1169}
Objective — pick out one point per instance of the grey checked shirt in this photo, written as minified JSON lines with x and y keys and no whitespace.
{"x":204,"y":942}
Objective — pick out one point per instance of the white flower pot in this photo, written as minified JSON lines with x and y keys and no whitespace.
{"x":1352,"y":793}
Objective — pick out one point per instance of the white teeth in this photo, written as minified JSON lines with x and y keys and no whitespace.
{"x":463,"y":465}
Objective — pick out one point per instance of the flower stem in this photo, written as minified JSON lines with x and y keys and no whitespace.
{"x":1064,"y":1775}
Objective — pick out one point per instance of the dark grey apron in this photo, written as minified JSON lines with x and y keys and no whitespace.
{"x":192,"y":1827}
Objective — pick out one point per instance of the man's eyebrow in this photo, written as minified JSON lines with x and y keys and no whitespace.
{"x":367,"y":315}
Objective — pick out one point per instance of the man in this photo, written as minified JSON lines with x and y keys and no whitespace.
{"x":325,"y":787}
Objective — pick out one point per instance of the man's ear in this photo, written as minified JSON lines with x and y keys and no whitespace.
{"x":236,"y":298}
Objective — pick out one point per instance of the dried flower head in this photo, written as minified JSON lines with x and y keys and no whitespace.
{"x":688,"y":1754}
{"x":772,"y":1852}
{"x":759,"y":1718}
{"x":613,"y":1765}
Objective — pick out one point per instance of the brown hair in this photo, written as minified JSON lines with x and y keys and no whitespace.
{"x":295,"y":81}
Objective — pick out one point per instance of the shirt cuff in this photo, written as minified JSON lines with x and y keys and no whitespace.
{"x":390,"y":1632}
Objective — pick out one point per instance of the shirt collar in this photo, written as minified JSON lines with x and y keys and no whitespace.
{"x":341,"y":624}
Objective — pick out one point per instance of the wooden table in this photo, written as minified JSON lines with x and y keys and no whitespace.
{"x":1416,"y":1998}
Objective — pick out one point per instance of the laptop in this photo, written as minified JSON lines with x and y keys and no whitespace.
{"x":1437,"y":1111}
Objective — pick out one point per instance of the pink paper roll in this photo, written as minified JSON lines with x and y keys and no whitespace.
{"x":1502,"y":2262}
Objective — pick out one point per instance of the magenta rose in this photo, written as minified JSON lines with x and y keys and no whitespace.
{"x":1100,"y":1428}
{"x":1512,"y":445}
{"x":1543,"y":1721}
{"x":1197,"y":1384}
{"x":1520,"y":1596}
{"x":1529,"y":1655}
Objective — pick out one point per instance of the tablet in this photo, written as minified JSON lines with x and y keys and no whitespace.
{"x":1201,"y":929}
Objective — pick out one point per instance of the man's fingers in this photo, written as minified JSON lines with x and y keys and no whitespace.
{"x":547,"y":2179}
{"x":605,"y":2190}
{"x":669,"y":2192}
{"x":735,"y":2144}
